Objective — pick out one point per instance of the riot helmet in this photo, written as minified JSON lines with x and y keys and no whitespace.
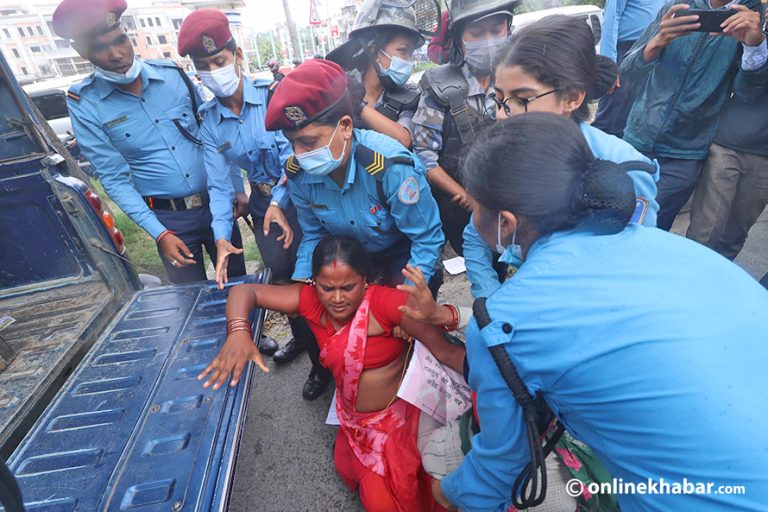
{"x":461,"y":12}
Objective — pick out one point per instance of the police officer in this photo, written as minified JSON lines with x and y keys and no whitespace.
{"x":234,"y":135}
{"x":352,"y":182}
{"x":379,"y":59}
{"x":456,"y":103}
{"x":622,"y":330}
{"x":136,"y":122}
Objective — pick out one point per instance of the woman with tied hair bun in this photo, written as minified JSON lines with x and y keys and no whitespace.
{"x":551,"y":66}
{"x":645,"y":345}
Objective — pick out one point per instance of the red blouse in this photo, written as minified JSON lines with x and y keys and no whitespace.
{"x":380,"y":350}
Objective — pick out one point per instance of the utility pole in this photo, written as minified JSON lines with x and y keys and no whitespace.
{"x":292,"y":31}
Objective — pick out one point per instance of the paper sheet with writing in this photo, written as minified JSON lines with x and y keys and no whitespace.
{"x":435,"y":389}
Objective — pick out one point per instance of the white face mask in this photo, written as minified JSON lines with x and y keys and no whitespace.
{"x":320,"y":161}
{"x":222,"y":82}
{"x":120,"y":78}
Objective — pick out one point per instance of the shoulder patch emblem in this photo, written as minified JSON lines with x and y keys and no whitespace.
{"x":641,"y":207}
{"x":409,"y":191}
{"x":295,"y":114}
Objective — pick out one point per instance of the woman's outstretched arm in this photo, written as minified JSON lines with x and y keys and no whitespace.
{"x":239,"y":347}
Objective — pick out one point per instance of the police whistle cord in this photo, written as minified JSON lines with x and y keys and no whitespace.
{"x":527,"y":491}
{"x":127,"y":260}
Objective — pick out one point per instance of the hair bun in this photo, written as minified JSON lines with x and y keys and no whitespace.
{"x":609,"y":193}
{"x":607,"y":72}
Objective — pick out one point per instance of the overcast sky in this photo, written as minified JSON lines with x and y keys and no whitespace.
{"x":259,"y":14}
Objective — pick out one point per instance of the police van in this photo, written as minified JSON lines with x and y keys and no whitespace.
{"x":99,"y":405}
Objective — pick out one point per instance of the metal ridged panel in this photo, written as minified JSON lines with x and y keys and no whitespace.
{"x":133,"y":429}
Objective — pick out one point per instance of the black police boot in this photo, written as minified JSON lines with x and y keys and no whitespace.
{"x":289,"y":352}
{"x":267,"y":345}
{"x":317,"y":382}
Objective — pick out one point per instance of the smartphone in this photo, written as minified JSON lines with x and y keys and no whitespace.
{"x":710,"y":20}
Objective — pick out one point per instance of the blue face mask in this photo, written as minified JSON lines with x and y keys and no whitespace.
{"x":320,"y":161}
{"x":399,"y":69}
{"x":512,"y":255}
{"x":120,"y":78}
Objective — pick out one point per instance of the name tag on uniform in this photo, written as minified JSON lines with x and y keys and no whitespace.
{"x":315,"y":206}
{"x":115,"y":122}
{"x":224,"y":147}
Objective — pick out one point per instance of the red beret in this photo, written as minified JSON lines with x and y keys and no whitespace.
{"x":74,"y":19}
{"x":310,"y":90}
{"x":204,"y":32}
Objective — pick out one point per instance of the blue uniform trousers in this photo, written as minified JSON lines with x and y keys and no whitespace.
{"x":194,"y":228}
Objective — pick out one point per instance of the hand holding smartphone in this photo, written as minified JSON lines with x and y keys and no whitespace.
{"x":709,"y":20}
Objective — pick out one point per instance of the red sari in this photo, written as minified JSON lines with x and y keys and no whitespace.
{"x":375,"y":451}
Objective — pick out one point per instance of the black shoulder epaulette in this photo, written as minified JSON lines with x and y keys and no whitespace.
{"x":377,"y":164}
{"x":292,"y":167}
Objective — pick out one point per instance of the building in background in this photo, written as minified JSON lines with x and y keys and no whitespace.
{"x":36,"y":53}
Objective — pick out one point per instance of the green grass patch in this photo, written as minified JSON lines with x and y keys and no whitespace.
{"x":423,"y":66}
{"x":140,"y":247}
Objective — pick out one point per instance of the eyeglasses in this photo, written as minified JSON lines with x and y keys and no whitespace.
{"x":521,"y":102}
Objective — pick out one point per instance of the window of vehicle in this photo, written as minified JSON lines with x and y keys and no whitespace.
{"x":52,"y":104}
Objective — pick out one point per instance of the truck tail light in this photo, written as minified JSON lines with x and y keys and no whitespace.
{"x":106,"y":218}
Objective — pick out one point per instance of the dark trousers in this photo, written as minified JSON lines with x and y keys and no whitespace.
{"x":613,"y":109}
{"x":677,"y":179}
{"x":194,"y":229}
{"x":454,"y":218}
{"x":390,"y":262}
{"x":731,"y":195}
{"x":282,"y":262}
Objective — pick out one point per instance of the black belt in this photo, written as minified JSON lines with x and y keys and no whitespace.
{"x":179,"y":204}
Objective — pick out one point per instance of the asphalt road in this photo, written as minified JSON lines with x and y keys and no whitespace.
{"x":286,"y":457}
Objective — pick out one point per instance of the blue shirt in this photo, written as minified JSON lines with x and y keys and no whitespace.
{"x":132,"y":142}
{"x":241,"y":142}
{"x":478,"y":256}
{"x":355,"y":209}
{"x":625,"y":20}
{"x":650,"y":348}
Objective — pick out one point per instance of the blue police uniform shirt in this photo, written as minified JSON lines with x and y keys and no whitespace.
{"x":625,"y":20}
{"x":650,"y":348}
{"x":478,"y":256}
{"x":241,"y":142}
{"x":132,"y":142}
{"x":356,"y":210}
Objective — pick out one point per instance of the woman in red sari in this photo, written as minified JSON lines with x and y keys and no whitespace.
{"x":353,"y":322}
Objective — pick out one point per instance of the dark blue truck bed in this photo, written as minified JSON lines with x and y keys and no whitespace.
{"x":132,"y":428}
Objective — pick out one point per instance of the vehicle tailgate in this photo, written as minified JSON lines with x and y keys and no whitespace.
{"x":132,"y":428}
